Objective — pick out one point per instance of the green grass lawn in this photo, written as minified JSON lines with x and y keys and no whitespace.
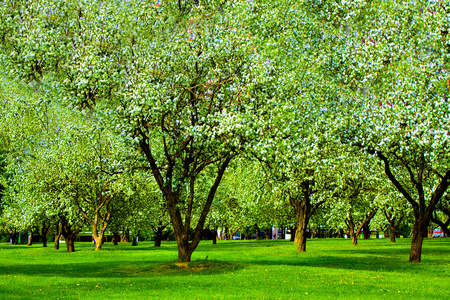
{"x":331,"y":269}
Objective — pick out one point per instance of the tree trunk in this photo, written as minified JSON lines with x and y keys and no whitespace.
{"x":158,"y":233}
{"x":158,"y":236}
{"x":302,"y":207}
{"x":158,"y":240}
{"x":30,"y":237}
{"x":353,"y":234}
{"x":44,"y":234}
{"x":366,"y":232}
{"x":233,"y":232}
{"x":125,"y":236}
{"x":184,"y":252}
{"x":302,"y":211}
{"x":13,"y":236}
{"x":181,"y":232}
{"x":116,"y":238}
{"x":393,"y":233}
{"x":416,"y":243}
{"x":99,"y":240}
{"x":184,"y":247}
{"x":57,"y":236}
{"x":44,"y":241}
{"x":98,"y":235}
{"x":430,"y":231}
{"x":351,"y":228}
{"x":215,"y":236}
{"x":225,"y":234}
{"x":182,"y":235}
{"x":258,"y":232}
{"x":420,"y":226}
{"x":293,"y":230}
{"x":68,"y":233}
{"x":70,"y":242}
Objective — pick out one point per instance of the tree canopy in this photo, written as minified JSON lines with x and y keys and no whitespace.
{"x":321,"y":93}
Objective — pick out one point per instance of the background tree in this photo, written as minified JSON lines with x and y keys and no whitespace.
{"x":399,"y":51}
{"x":23,"y":124}
{"x":389,"y":65}
{"x":353,"y":198}
{"x":441,"y":216}
{"x":394,"y":210}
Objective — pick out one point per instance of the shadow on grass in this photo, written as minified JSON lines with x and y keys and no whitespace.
{"x":127,"y":269}
{"x":88,"y":247}
{"x":338,"y":255}
{"x":369,"y":255}
{"x":123,"y":269}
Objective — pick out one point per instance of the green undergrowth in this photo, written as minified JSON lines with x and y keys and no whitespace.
{"x":330,"y":269}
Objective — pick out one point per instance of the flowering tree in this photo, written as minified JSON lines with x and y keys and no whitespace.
{"x":400,"y":57}
{"x":178,"y":78}
{"x":22,"y":121}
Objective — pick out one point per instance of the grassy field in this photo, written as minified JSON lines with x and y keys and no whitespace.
{"x":331,"y":269}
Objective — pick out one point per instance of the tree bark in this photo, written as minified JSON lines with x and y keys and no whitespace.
{"x":302,"y":211}
{"x":393,"y":233}
{"x":283,"y":237}
{"x":30,"y":237}
{"x":351,"y":229}
{"x":158,"y":240}
{"x":125,"y":236}
{"x":99,"y":240}
{"x":57,"y":235}
{"x":116,"y":238}
{"x":44,"y":241}
{"x":258,"y":232}
{"x":417,"y":241}
{"x":44,"y":234}
{"x":70,"y":242}
{"x":13,"y":236}
{"x":293,"y":230}
{"x":232,"y":232}
{"x":69,"y":234}
{"x":158,"y":233}
{"x":215,"y":236}
{"x":99,"y":234}
{"x":366,"y":231}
